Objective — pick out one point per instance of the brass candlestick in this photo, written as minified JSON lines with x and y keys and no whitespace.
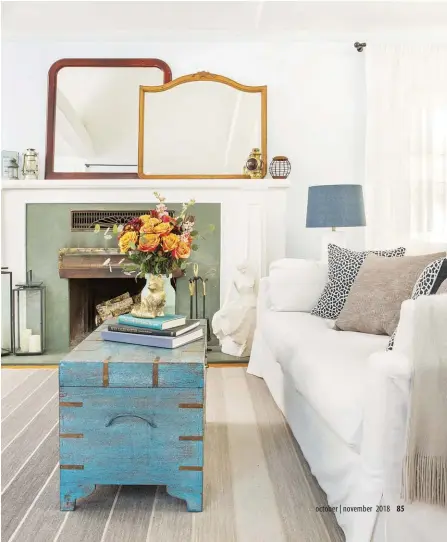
{"x":196,"y":279}
{"x":194,"y":293}
{"x":208,"y":328}
{"x":192,"y":289}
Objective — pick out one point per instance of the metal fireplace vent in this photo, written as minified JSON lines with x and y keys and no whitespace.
{"x":86,"y":220}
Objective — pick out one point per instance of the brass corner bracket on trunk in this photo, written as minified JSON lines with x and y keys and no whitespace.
{"x":105,"y":372}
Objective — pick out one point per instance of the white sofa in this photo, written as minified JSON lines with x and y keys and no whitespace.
{"x":345,"y":399}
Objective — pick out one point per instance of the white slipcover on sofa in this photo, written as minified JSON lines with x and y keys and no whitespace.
{"x":345,"y":399}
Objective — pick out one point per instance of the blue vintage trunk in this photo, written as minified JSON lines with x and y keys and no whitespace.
{"x":132,"y":415}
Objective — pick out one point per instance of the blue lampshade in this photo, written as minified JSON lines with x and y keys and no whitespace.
{"x":335,"y":205}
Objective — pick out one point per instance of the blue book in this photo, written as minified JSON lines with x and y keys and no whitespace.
{"x":152,"y":340}
{"x":168,"y":321}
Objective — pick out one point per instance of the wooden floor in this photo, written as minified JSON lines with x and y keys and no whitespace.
{"x":258,"y":487}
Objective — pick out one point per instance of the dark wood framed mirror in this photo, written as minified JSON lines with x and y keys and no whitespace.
{"x":92,"y":115}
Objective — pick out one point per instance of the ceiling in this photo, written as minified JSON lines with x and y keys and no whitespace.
{"x":249,"y":20}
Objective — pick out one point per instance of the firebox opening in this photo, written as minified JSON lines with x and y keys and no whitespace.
{"x":85,"y":294}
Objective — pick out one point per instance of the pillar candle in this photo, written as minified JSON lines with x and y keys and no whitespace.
{"x":25,"y":335}
{"x":34,"y":343}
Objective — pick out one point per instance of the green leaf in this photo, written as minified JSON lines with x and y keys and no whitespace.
{"x":115,"y":229}
{"x":133,"y":246}
{"x":97,"y":228}
{"x":212,"y":227}
{"x":195,"y":247}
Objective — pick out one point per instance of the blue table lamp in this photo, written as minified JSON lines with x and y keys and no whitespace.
{"x":335,"y":206}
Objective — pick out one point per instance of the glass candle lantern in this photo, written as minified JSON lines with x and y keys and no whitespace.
{"x":30,"y":168}
{"x":29,"y":312}
{"x":7,"y":313}
{"x":13,"y":169}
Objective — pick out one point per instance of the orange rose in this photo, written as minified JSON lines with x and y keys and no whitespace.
{"x":149,"y":225}
{"x":149,"y":242}
{"x":182,"y":251}
{"x":126,"y":240}
{"x":170,"y":242}
{"x":163,"y":228}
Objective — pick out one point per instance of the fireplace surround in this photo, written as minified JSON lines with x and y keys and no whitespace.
{"x":252,"y":214}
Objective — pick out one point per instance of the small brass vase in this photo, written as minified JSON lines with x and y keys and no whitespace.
{"x":254,"y":165}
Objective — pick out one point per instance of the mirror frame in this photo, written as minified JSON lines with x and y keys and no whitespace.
{"x":51,"y":108}
{"x":193,"y":78}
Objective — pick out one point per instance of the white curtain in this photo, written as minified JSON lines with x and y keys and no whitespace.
{"x":406,"y":145}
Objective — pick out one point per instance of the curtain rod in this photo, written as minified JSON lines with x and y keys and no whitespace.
{"x":359,"y":46}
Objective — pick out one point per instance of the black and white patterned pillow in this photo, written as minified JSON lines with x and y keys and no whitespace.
{"x":442,"y":288}
{"x":431,"y":278}
{"x":343,"y":268}
{"x":428,"y":283}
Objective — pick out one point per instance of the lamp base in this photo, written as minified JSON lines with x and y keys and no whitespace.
{"x":336,"y":238}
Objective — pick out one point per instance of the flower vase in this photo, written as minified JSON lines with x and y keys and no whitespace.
{"x":169,"y":307}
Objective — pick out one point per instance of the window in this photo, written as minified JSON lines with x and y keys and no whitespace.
{"x":429,"y":177}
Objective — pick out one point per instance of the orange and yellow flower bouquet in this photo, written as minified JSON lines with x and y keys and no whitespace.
{"x":158,"y":243}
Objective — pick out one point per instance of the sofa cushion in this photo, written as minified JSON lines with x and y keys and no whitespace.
{"x":431,"y":281}
{"x":431,"y":278}
{"x":344,"y":265}
{"x":381,"y":286}
{"x":327,"y":367}
{"x":295,"y":285}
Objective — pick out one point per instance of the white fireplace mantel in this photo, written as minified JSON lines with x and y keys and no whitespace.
{"x":253,"y":213}
{"x":152,"y":184}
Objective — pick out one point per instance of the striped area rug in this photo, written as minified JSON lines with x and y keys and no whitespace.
{"x":258,"y":487}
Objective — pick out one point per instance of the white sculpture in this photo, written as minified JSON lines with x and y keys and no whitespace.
{"x":234,"y":324}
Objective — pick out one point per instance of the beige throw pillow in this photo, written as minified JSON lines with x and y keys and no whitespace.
{"x":443,"y":288}
{"x":382,"y":284}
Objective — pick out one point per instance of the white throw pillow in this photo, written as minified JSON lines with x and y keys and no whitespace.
{"x":295,"y":285}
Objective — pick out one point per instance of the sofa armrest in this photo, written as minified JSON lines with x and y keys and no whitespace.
{"x":385,"y":419}
{"x":389,"y":375}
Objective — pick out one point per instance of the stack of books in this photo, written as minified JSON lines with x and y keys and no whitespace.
{"x":169,"y":331}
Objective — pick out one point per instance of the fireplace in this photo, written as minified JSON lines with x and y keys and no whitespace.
{"x":243,"y":212}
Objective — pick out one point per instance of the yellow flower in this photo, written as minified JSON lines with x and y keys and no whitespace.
{"x":149,"y":242}
{"x":183,"y":250}
{"x":163,"y":228}
{"x":126,"y":240}
{"x":149,"y":225}
{"x":170,"y":242}
{"x":145,"y":218}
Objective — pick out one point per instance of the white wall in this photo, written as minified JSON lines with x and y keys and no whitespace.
{"x":316,"y":111}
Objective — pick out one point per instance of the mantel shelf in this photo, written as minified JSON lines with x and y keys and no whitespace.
{"x":150,"y":184}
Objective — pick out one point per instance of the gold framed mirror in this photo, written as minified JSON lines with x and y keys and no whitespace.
{"x":204,"y":130}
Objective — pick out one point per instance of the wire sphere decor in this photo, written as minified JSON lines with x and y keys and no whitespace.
{"x":280,"y":167}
